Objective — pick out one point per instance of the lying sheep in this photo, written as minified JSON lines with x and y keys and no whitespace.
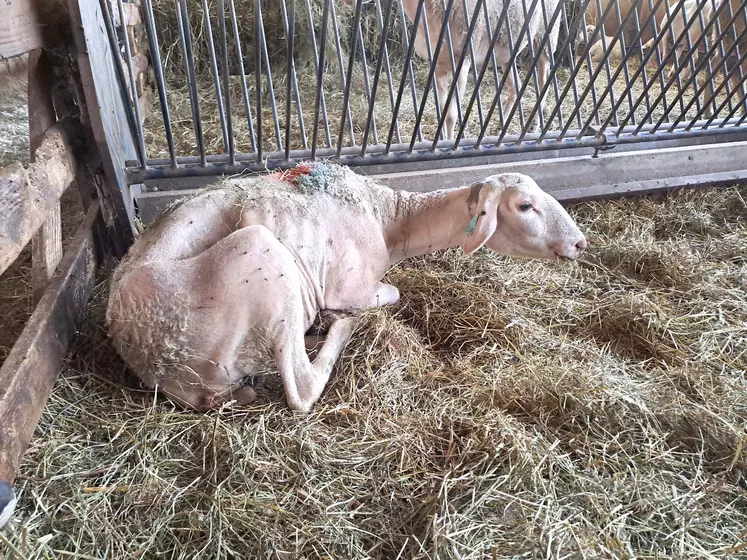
{"x":597,"y":51}
{"x":227,"y":284}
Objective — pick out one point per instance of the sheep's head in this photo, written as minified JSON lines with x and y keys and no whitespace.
{"x":511,"y":215}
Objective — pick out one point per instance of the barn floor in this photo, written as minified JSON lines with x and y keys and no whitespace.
{"x":504,"y":409}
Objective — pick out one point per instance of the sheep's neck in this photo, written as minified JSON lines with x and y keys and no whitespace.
{"x":429,"y":222}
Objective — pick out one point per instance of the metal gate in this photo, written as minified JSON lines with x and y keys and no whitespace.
{"x":249,"y":85}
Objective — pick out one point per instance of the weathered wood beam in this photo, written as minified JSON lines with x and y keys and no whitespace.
{"x":27,"y":196}
{"x":46,"y":245}
{"x":20,"y":31}
{"x":34,"y":362}
{"x":108,"y":117}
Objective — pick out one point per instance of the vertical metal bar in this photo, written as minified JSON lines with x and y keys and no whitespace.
{"x":377,"y":73}
{"x":349,"y":80}
{"x":270,"y":86}
{"x":688,"y":20}
{"x":694,"y":76}
{"x":646,"y":86}
{"x":672,"y":53}
{"x":727,"y":76}
{"x":553,"y":75}
{"x":320,"y":75}
{"x":406,"y":71}
{"x":244,"y":88}
{"x":226,"y":80}
{"x":473,"y":66}
{"x":716,"y":92}
{"x":290,"y":35}
{"x":613,"y":111}
{"x":624,"y":62}
{"x":432,"y":70}
{"x":702,"y":22}
{"x":155,"y":54}
{"x":608,"y":50}
{"x":430,"y":63}
{"x":496,"y":80}
{"x":743,"y":100}
{"x":317,"y":67}
{"x":294,"y":80}
{"x":514,"y":52}
{"x":409,"y":69}
{"x":483,"y":69}
{"x":736,"y":41}
{"x":587,"y":54}
{"x":258,"y":74}
{"x":494,"y":64}
{"x":572,"y":81}
{"x":734,"y":109}
{"x":719,"y":31}
{"x":659,"y":61}
{"x":452,"y":61}
{"x":518,"y":103}
{"x":341,"y":65}
{"x":541,"y":93}
{"x":532,"y":72}
{"x":214,"y":72}
{"x":140,"y":145}
{"x":659,"y":71}
{"x":185,"y":34}
{"x":366,"y":80}
{"x":560,"y":9}
{"x":387,"y":67}
{"x":460,"y":64}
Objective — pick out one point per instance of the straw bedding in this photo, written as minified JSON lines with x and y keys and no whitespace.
{"x":503,"y":409}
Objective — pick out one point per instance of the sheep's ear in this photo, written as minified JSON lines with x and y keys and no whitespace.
{"x":484,"y":220}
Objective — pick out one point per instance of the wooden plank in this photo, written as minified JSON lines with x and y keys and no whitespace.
{"x":46,"y":245}
{"x":26,"y":197}
{"x":34,"y":362}
{"x":20,"y":31}
{"x":108,"y":117}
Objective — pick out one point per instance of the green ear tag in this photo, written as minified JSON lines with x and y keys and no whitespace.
{"x":472,"y":225}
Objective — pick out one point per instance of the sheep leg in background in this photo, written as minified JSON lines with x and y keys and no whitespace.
{"x":510,"y":100}
{"x":543,"y":72}
{"x":443,"y":83}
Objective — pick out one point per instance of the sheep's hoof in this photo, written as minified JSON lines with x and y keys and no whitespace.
{"x":7,"y":502}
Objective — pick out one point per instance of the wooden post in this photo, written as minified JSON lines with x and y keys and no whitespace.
{"x":46,"y":245}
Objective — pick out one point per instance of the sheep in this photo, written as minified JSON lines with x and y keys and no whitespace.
{"x":621,"y":9}
{"x":673,"y":24}
{"x":738,"y":27}
{"x":597,"y":50}
{"x":458,"y":27}
{"x":226,"y":285}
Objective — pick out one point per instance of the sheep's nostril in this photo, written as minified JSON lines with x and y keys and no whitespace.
{"x":582,"y":245}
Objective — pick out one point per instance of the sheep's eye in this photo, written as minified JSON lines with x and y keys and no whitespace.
{"x":525,"y":207}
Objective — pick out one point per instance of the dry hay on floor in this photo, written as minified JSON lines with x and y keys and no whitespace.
{"x":504,"y":409}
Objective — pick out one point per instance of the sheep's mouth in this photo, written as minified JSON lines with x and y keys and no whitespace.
{"x":560,"y":257}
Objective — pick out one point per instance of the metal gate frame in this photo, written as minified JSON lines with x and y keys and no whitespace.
{"x":593,"y":160}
